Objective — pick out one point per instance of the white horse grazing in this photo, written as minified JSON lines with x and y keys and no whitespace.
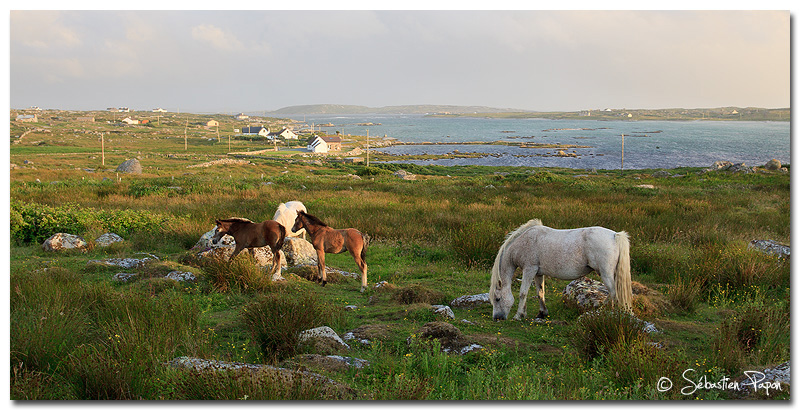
{"x":559,"y":253}
{"x":286,"y":215}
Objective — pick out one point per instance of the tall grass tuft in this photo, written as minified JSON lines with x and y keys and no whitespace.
{"x":600,"y":330}
{"x":241,"y":274}
{"x":275,"y":321}
{"x":476,"y":242}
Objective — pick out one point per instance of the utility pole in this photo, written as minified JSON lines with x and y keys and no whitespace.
{"x":622,"y":164}
{"x":367,"y":146}
{"x":103,"y":147}
{"x":185,"y":143}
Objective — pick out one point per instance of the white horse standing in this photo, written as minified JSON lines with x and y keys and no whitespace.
{"x":560,"y":253}
{"x":286,"y":215}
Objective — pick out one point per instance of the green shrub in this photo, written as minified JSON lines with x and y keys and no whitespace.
{"x":33,"y":223}
{"x":275,"y":321}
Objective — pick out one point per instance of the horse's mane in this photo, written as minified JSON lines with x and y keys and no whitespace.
{"x":313,"y":219}
{"x":510,"y":238}
{"x":240,"y":220}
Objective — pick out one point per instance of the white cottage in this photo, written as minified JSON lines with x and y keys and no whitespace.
{"x":317,"y":145}
{"x":261,"y":131}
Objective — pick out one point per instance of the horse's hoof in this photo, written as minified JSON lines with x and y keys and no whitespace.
{"x":518,"y":317}
{"x":541,"y":315}
{"x":363,"y":288}
{"x":324,"y":282}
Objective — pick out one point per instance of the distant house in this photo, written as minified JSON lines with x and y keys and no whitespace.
{"x":318,"y":145}
{"x":34,"y":108}
{"x":334,"y":142}
{"x":27,"y":118}
{"x":112,"y":109}
{"x":85,"y":119}
{"x":130,"y":121}
{"x":212,"y":123}
{"x":124,"y":109}
{"x":261,"y":131}
{"x":159,"y":110}
{"x":144,"y":121}
{"x":285,"y":133}
{"x":241,"y":116}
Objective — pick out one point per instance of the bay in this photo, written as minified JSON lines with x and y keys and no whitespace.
{"x":647,"y":144}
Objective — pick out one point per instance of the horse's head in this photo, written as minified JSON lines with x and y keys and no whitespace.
{"x":502,"y":299}
{"x":222,"y":229}
{"x":298,"y":222}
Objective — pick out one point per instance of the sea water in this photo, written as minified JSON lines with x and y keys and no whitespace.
{"x":646,"y":144}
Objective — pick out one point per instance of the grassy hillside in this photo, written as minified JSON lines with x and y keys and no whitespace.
{"x":721,"y":307}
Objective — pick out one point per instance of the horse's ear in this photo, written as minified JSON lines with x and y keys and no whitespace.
{"x":217,"y":221}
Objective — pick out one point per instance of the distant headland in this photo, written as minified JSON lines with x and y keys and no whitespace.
{"x":684,"y":114}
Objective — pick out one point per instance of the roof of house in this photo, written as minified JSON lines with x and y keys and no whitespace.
{"x":332,"y":139}
{"x":252,"y":130}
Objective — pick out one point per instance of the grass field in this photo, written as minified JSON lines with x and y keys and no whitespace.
{"x":721,"y":307}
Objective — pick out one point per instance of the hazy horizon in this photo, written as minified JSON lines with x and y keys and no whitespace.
{"x":231,"y":61}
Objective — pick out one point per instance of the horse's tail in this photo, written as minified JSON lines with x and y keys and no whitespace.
{"x":365,"y":238}
{"x":622,"y":275}
{"x":281,"y":236}
{"x":509,"y":238}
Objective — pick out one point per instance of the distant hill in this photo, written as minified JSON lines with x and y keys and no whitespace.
{"x":395,"y":109}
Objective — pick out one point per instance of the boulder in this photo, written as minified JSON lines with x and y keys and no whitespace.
{"x":770,"y":247}
{"x":63,"y":241}
{"x":470,"y":301}
{"x":662,"y":174}
{"x":107,"y":239}
{"x":767,"y":381}
{"x":741,"y":167}
{"x":262,"y":256}
{"x":324,"y":339}
{"x":773,"y":165}
{"x":131,"y":166}
{"x":180,"y":276}
{"x":123,"y":277}
{"x":205,"y":241}
{"x":443,"y":311}
{"x":721,"y":165}
{"x":286,"y":377}
{"x":403,"y":174}
{"x":225,"y":247}
{"x":585,"y":293}
{"x":299,"y":251}
{"x":125,"y":263}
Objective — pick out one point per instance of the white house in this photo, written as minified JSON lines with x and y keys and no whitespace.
{"x":130,"y":121}
{"x":241,"y":116}
{"x":159,"y":110}
{"x":261,"y":131}
{"x":285,"y":133}
{"x":318,"y":145}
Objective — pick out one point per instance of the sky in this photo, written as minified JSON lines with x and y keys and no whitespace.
{"x":263,"y":60}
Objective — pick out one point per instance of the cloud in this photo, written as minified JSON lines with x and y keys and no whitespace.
{"x":217,"y":38}
{"x":42,"y":30}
